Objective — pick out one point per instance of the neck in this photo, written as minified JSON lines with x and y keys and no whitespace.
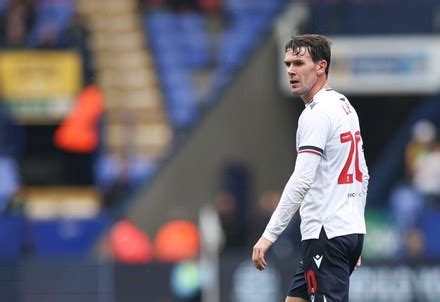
{"x":320,"y":84}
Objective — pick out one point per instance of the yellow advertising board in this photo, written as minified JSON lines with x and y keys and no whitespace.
{"x":39,"y":85}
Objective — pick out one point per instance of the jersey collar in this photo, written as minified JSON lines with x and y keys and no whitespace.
{"x":313,"y":100}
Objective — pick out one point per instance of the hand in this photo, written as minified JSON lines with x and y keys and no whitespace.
{"x":259,"y":251}
{"x":358,"y":263}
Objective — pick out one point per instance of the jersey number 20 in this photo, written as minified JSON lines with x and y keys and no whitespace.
{"x":345,"y":177}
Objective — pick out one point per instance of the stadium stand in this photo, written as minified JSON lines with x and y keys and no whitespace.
{"x":136,"y":127}
{"x":160,"y":68}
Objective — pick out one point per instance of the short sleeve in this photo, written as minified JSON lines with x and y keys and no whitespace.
{"x":313,"y":132}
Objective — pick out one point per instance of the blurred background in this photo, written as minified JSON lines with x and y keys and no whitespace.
{"x":145,"y":143}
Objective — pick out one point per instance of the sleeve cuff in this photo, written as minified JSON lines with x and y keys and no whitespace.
{"x":269,"y":236}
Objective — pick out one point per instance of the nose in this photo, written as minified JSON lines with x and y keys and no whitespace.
{"x":291,"y":70}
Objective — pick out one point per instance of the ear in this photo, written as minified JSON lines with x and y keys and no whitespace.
{"x":322,"y":65}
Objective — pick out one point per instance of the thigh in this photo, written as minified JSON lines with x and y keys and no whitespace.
{"x":356,"y":251}
{"x":305,"y":281}
{"x":324,"y":272}
{"x":328,"y":265}
{"x":298,"y":286}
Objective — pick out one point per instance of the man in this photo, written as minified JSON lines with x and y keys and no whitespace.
{"x":328,"y":185}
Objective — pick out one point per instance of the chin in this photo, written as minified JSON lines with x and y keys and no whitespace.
{"x":296,"y":92}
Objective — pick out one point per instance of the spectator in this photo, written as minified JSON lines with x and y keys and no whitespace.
{"x":226,"y":205}
{"x":10,"y":144}
{"x":414,"y":242}
{"x":181,"y":5}
{"x":146,"y":5}
{"x":427,"y":172}
{"x":424,"y":134}
{"x":76,"y":37}
{"x":9,"y":181}
{"x":210,"y":6}
{"x":18,"y":21}
{"x":409,"y":200}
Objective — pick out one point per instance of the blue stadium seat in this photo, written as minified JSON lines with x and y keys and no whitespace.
{"x":184,"y":34}
{"x":55,"y":15}
{"x":181,"y":101}
{"x":195,"y":39}
{"x":252,"y":24}
{"x":162,"y":28}
{"x":197,"y":51}
{"x":11,"y":236}
{"x":66,"y":237}
{"x":158,"y":20}
{"x":9,"y":180}
{"x":4,"y":5}
{"x":430,"y":226}
{"x":234,"y":48}
{"x":240,"y":7}
{"x":243,"y":34}
{"x":180,"y":44}
{"x":107,"y":169}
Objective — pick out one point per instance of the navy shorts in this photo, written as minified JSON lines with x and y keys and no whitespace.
{"x":326,"y":266}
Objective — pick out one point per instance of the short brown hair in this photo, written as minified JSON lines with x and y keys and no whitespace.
{"x":317,"y":45}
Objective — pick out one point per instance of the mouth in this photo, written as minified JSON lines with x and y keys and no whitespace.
{"x":294,"y":82}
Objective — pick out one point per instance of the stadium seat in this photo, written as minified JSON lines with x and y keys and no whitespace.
{"x":242,"y":35}
{"x":4,"y":5}
{"x":11,"y":236}
{"x":180,"y":98}
{"x":9,"y":180}
{"x":196,"y":41}
{"x":235,"y":46}
{"x":430,"y":227}
{"x":239,"y":7}
{"x":53,"y":16}
{"x":65,"y":237}
{"x":181,"y":35}
{"x":108,"y":168}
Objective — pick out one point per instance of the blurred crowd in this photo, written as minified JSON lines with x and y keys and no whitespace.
{"x":41,"y":24}
{"x":178,"y":5}
{"x":411,"y":215}
{"x":415,"y":202}
{"x":57,"y":25}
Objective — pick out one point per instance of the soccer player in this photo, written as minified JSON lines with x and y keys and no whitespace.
{"x":329,"y":182}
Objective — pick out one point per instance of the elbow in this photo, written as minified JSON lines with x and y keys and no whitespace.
{"x":304,"y":186}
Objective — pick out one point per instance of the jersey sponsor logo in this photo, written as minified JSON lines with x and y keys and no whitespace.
{"x":317,"y":259}
{"x":354,"y":195}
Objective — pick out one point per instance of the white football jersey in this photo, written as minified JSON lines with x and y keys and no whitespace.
{"x":333,"y":195}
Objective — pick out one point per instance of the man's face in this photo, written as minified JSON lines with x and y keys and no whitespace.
{"x":302,"y":71}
